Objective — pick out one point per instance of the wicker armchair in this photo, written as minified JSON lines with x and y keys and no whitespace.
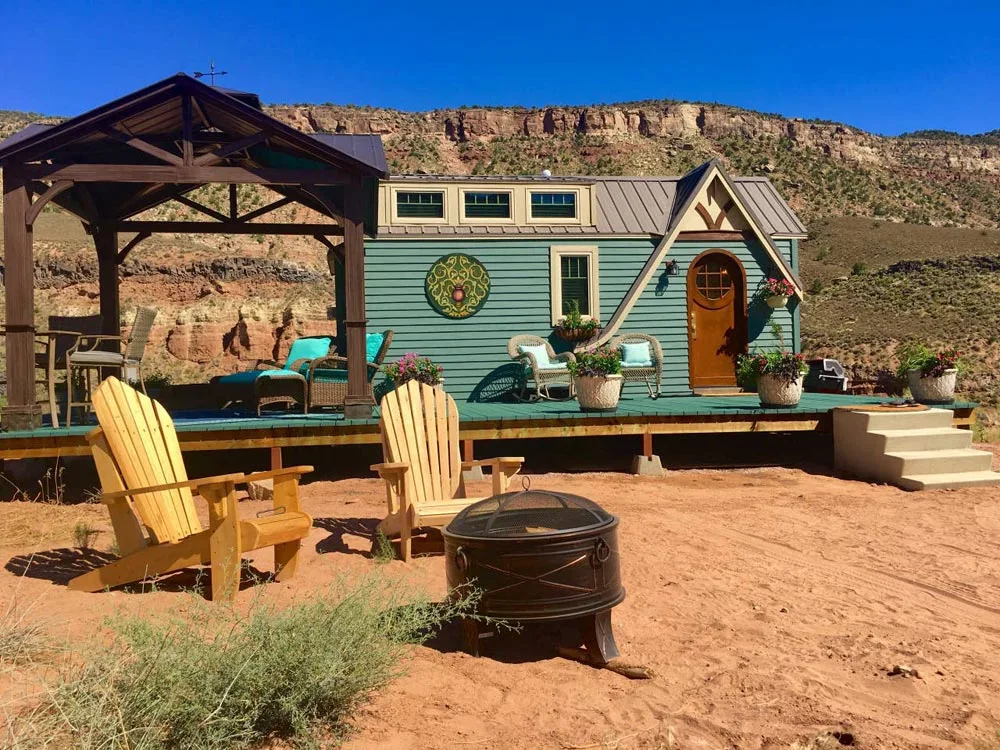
{"x":651,"y":375}
{"x":327,"y":376}
{"x":545,"y":374}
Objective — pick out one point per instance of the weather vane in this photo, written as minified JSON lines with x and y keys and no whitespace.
{"x":212,"y":73}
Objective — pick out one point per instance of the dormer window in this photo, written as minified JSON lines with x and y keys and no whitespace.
{"x":481,"y":205}
{"x":553,"y":205}
{"x":419,"y":205}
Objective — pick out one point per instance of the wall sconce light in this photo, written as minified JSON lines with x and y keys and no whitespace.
{"x":672,"y":269}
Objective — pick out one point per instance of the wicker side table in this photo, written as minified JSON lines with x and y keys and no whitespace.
{"x":280,"y":387}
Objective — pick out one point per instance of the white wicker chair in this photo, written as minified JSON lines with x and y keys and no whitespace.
{"x":652,"y":376}
{"x":544,"y":377}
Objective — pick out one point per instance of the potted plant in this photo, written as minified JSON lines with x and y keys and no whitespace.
{"x":574,"y":327}
{"x":597,"y":378}
{"x":412,"y":366}
{"x":778,"y":376}
{"x":774,"y":292}
{"x":930,"y":374}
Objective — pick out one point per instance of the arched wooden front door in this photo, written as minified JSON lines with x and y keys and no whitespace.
{"x":717,"y":318}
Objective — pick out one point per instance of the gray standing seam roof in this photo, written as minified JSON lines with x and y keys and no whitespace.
{"x":624,"y":205}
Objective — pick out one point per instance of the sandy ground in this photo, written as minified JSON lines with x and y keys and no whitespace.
{"x":770,"y":604}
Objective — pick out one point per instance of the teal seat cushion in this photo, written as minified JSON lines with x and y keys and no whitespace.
{"x":373,"y":342}
{"x":636,"y":355}
{"x":241,"y":378}
{"x":308,"y":348}
{"x":321,"y":375}
{"x":541,"y":355}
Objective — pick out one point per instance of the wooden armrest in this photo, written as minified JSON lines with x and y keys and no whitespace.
{"x":504,"y":461}
{"x":194,"y":484}
{"x":390,"y":469}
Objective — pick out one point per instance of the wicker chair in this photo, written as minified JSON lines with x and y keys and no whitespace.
{"x":268,"y":382}
{"x":327,"y":376}
{"x":652,"y":374}
{"x":103,"y":352}
{"x":545,"y":374}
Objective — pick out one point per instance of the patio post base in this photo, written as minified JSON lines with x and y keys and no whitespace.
{"x":647,"y":466}
{"x":475,"y":474}
{"x":21,"y":417}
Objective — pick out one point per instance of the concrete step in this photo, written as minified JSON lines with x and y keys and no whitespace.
{"x":950,"y":481}
{"x":952,"y":461}
{"x":930,"y":438}
{"x":908,"y":420}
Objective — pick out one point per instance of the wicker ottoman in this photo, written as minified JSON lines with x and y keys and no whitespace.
{"x":280,"y":387}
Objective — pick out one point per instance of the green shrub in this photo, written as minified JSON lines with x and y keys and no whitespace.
{"x":930,"y":363}
{"x":858,"y":268}
{"x":219,"y":679}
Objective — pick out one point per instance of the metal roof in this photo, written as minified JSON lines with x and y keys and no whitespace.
{"x":624,"y":205}
{"x":365,"y":148}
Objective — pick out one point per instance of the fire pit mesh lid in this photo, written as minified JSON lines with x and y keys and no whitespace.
{"x":528,"y":513}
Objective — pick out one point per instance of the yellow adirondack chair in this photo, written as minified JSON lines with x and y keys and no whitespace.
{"x":149,"y":496}
{"x":422,"y":469}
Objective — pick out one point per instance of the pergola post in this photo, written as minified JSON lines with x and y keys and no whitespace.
{"x":22,"y":410}
{"x":359,"y":402}
{"x":106,"y":242}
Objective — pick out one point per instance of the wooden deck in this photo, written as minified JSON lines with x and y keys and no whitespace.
{"x":204,"y":431}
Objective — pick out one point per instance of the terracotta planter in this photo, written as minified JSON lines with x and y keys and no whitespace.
{"x":939,"y":390}
{"x":598,"y":393}
{"x":576,"y":335}
{"x":778,"y":392}
{"x":778,"y":300}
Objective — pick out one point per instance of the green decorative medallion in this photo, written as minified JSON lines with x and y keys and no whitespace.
{"x":457,"y":285}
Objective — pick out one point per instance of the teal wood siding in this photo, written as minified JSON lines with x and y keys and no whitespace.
{"x":473,"y":351}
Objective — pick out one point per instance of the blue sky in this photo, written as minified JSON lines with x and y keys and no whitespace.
{"x":885,"y":67}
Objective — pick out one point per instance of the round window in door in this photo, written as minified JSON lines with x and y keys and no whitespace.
{"x":717,"y":319}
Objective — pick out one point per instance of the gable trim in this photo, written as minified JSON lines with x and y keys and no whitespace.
{"x":660,"y":251}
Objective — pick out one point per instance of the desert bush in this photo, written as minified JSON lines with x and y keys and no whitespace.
{"x":21,"y":637}
{"x":218,"y":679}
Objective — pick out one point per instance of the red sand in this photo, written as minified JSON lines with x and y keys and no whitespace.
{"x":770,"y":605}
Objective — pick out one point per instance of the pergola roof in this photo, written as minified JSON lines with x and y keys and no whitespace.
{"x":152,"y":128}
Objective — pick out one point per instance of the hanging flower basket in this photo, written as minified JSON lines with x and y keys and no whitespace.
{"x":775,"y":293}
{"x":573,"y":327}
{"x":576,"y":335}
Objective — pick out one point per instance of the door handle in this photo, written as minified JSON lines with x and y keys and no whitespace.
{"x":694,"y":326}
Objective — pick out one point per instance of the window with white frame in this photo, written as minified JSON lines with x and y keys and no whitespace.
{"x":574,"y":281}
{"x":553,"y":205}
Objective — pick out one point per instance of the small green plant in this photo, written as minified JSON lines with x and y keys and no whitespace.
{"x":412,"y":366}
{"x":217,"y":679}
{"x":858,"y":268}
{"x":930,"y":363}
{"x":382,"y":549}
{"x":153,"y":380}
{"x":21,"y":638}
{"x":816,"y":287}
{"x":599,"y":362}
{"x":84,"y":534}
{"x":574,"y":326}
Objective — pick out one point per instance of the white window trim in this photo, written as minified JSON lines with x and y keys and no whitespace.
{"x":487,"y":221}
{"x":556,"y":252}
{"x":394,"y":205}
{"x":529,"y":219}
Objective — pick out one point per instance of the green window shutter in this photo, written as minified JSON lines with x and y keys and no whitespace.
{"x":553,"y":205}
{"x":575,"y":283}
{"x":420,"y":205}
{"x":487,"y":205}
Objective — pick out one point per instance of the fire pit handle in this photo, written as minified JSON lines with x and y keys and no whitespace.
{"x":602,"y":551}
{"x":461,"y":561}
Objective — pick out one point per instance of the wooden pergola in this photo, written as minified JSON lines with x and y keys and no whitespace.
{"x":158,"y":144}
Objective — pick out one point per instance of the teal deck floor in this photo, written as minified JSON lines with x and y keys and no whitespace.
{"x":630,"y":408}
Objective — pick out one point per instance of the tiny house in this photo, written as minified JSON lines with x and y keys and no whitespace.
{"x":460,"y":264}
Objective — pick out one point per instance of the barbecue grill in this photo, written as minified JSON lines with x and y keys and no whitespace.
{"x":538,"y":556}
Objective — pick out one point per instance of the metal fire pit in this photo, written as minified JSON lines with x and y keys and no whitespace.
{"x":538,"y":556}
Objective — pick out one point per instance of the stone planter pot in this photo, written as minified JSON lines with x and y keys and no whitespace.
{"x":598,"y":393}
{"x":777,"y":392}
{"x":939,"y":390}
{"x":778,"y":300}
